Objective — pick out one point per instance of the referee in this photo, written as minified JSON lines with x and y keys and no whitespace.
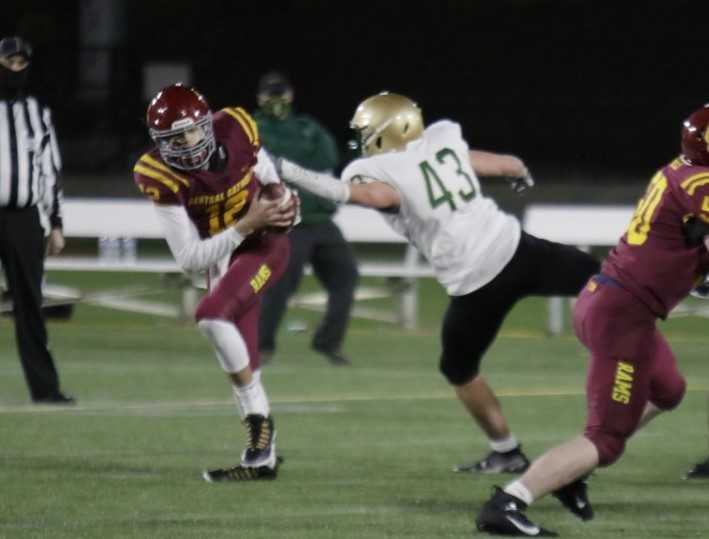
{"x":30,"y":198}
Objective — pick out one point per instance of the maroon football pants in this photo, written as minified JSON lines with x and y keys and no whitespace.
{"x":255,"y":266}
{"x":631,"y":365}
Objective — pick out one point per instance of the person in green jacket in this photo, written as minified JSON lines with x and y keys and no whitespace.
{"x":317,"y":239}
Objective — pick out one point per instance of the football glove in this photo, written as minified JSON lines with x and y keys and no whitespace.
{"x":521,"y":183}
{"x":695,"y":230}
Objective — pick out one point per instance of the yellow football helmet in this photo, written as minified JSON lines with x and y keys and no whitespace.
{"x":386,"y":123}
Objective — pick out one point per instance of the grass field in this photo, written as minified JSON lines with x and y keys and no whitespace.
{"x":368,"y":448}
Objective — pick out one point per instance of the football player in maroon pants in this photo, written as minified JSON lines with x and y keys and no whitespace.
{"x":203,"y":177}
{"x":633,"y":374}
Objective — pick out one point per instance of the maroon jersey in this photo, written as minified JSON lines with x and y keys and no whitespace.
{"x":653,"y":259}
{"x":213,"y":200}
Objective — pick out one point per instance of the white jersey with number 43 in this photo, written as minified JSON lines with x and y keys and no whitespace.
{"x":464,"y":235}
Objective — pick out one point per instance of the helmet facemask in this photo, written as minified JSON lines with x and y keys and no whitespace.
{"x":370,"y":140}
{"x":173,"y":144}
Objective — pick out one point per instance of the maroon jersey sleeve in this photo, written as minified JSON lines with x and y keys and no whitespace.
{"x":697,"y":188}
{"x":241,"y":127}
{"x":159,"y":182}
{"x":653,"y":259}
{"x":695,"y":193}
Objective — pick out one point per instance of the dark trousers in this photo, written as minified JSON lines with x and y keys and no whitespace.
{"x":538,"y":268}
{"x":333,"y":263}
{"x":22,"y":256}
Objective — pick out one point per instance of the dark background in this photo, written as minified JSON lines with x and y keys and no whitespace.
{"x":577,"y":88}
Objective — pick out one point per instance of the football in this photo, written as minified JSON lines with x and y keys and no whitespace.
{"x":280,"y":193}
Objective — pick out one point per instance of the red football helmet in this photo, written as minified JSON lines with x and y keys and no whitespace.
{"x":180,"y":123}
{"x":695,"y":137}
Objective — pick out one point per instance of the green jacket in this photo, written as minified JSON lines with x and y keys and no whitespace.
{"x":301,"y":139}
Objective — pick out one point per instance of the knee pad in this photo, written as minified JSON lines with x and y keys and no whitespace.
{"x":670,"y":395}
{"x":458,"y":372}
{"x":610,"y":446}
{"x":228,"y":344}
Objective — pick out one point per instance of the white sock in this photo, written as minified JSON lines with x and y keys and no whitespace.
{"x":504,"y":445}
{"x":252,"y":398}
{"x":518,"y":490}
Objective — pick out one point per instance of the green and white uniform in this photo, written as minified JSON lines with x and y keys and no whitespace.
{"x":465,"y":237}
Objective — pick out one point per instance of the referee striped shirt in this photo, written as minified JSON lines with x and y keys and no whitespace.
{"x":30,"y":162}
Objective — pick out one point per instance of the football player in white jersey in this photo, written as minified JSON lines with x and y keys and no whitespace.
{"x":425,"y":182}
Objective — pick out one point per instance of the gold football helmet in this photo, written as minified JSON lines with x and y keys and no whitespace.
{"x":386,"y":123}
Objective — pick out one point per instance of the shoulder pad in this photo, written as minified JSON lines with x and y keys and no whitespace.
{"x":445,"y":126}
{"x":158,"y":181}
{"x":696,"y":187}
{"x":245,"y":122}
{"x":355,"y":172}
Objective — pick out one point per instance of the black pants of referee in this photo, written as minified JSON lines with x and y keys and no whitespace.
{"x":538,"y":268}
{"x":334,"y":265}
{"x":22,"y":246}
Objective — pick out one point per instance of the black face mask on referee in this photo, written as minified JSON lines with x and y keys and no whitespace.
{"x":14,"y":67}
{"x":13,"y":82}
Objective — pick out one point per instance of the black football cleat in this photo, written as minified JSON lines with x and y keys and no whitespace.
{"x":261,"y":446}
{"x":514,"y":461}
{"x":337,"y":359}
{"x":242,"y":473}
{"x":574,"y":497}
{"x":55,"y":399}
{"x":503,"y":514}
{"x":699,"y":471}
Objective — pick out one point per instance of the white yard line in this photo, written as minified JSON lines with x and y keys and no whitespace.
{"x":135,"y":306}
{"x":323,"y":404}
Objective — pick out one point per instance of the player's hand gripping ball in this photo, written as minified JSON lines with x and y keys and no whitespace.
{"x":287,"y":199}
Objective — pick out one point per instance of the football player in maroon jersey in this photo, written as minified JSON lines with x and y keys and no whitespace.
{"x":203,"y":177}
{"x":633,"y":374}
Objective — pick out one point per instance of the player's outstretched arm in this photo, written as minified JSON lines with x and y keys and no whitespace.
{"x":372,"y":194}
{"x":508,"y":166}
{"x":496,"y":164}
{"x":375,"y":194}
